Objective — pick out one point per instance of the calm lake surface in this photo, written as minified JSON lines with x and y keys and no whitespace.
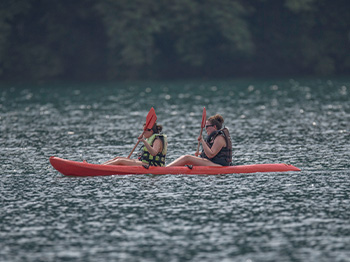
{"x":294,"y":216}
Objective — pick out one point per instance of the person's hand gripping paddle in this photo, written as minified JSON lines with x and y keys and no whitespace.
{"x":204,"y":118}
{"x":150,"y":121}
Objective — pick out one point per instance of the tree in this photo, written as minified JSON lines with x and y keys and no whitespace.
{"x":144,"y":33}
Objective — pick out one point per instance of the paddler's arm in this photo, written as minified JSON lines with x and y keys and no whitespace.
{"x":157,"y":146}
{"x":219,"y":143}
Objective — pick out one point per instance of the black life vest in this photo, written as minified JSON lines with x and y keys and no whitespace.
{"x":157,"y":160}
{"x":224,"y":157}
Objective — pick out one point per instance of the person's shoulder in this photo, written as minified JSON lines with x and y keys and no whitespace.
{"x":221,"y":133}
{"x":220,"y":137}
{"x":161,"y":136}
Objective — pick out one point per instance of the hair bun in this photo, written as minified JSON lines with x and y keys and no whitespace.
{"x":159,"y":128}
{"x":219,"y":118}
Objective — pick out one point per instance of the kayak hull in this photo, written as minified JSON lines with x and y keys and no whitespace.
{"x":74,"y":168}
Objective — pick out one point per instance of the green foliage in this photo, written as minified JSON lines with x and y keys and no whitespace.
{"x":300,"y":5}
{"x":118,"y":39}
{"x":142,"y":32}
{"x":8,"y":11}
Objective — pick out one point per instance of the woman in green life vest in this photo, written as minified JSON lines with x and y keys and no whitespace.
{"x":152,"y":152}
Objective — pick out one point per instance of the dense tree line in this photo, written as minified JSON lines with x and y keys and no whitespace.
{"x":138,"y":39}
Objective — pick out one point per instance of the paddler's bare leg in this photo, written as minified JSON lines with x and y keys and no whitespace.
{"x":191,"y":160}
{"x":124,"y":161}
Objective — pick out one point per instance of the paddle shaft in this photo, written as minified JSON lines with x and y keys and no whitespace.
{"x":135,"y":145}
{"x":197,"y":152}
{"x":204,"y":116}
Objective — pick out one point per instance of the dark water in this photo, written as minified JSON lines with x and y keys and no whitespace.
{"x":301,"y":216}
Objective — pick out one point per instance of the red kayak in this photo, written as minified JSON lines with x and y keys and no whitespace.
{"x":74,"y":168}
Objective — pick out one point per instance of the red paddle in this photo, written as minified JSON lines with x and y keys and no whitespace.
{"x":204,"y":118}
{"x":150,"y":120}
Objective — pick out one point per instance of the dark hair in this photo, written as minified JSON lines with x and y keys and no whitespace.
{"x":157,"y":128}
{"x":216,"y":120}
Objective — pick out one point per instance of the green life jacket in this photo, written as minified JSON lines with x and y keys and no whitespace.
{"x":157,"y":160}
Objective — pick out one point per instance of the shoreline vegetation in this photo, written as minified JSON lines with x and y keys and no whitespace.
{"x":94,"y":40}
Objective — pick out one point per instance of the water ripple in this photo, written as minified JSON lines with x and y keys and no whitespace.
{"x":243,"y":217}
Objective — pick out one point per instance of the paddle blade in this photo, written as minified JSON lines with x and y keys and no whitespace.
{"x":150,"y":119}
{"x":204,"y":117}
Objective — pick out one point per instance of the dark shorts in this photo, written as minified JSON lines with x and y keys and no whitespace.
{"x":218,"y":161}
